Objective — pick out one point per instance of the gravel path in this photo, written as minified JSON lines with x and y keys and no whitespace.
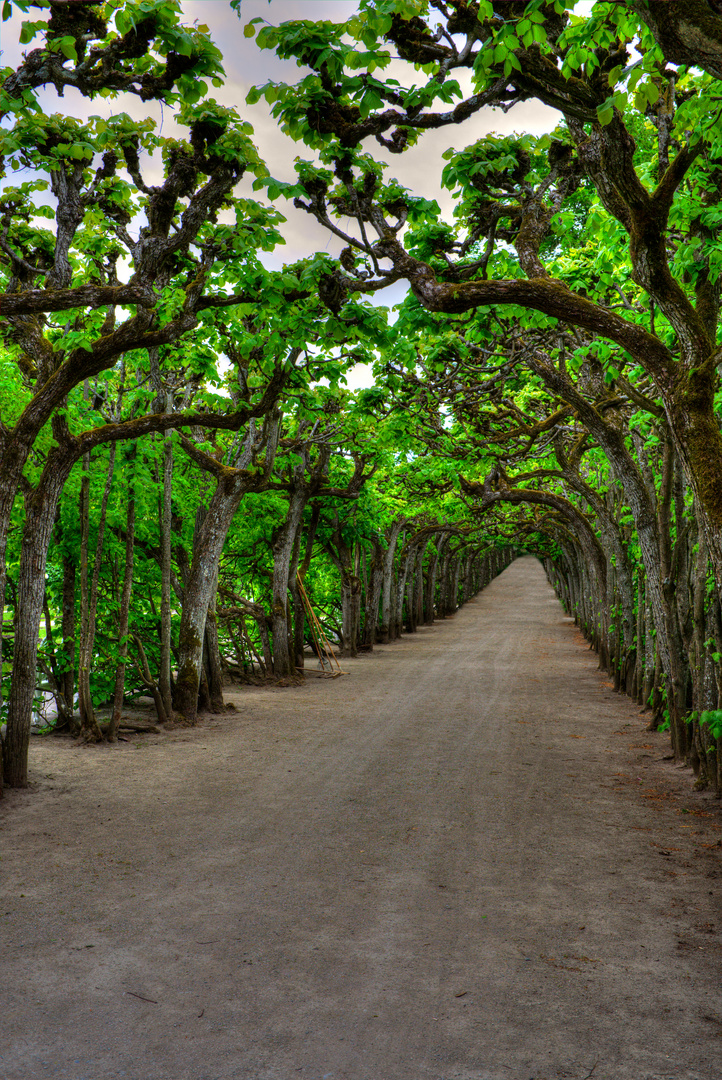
{"x":466,"y":860}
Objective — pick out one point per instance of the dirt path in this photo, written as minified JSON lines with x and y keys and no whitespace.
{"x":465,"y":861}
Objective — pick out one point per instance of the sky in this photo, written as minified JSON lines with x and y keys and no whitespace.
{"x":419,"y":169}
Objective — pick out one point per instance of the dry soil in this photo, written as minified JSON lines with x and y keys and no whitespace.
{"x":464,"y":860}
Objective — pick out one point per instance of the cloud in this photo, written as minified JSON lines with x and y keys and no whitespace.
{"x":418,"y":169}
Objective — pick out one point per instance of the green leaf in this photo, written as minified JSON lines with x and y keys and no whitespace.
{"x":713,"y":720}
{"x":605,"y":112}
{"x":29,"y":30}
{"x":652,"y":93}
{"x":67,"y":47}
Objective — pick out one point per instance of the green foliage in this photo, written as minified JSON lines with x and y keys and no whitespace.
{"x":461,"y":413}
{"x":712,"y":719}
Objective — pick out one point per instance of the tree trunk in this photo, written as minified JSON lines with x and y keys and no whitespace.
{"x":299,"y":610}
{"x":199,"y":589}
{"x":84,"y":701}
{"x":67,"y":675}
{"x":429,"y":605}
{"x":124,"y":609}
{"x":149,"y":681}
{"x":283,"y":547}
{"x":453,"y":606}
{"x":636,"y":493}
{"x":675,"y":669}
{"x":39,"y":521}
{"x":213,"y":656}
{"x":350,"y":609}
{"x":373,"y":596}
{"x":89,"y":729}
{"x":419,"y":583}
{"x":468,"y":578}
{"x":406,"y":562}
{"x":13,"y":455}
{"x":411,"y":609}
{"x":385,"y":630}
{"x":165,"y":543}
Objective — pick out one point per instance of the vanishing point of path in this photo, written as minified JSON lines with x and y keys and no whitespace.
{"x":464,"y":861}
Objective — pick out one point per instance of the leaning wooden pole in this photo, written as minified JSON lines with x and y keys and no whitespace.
{"x":323,"y":645}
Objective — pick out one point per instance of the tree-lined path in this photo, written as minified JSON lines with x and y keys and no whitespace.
{"x":431,"y":868}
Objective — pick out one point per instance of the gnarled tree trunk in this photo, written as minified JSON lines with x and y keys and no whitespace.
{"x":283,"y":547}
{"x":200,"y":588}
{"x":387,"y":628}
{"x":39,"y":520}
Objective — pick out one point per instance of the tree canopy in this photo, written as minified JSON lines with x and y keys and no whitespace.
{"x":190,"y":490}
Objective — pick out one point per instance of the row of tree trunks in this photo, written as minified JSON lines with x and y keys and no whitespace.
{"x":417,"y":582}
{"x":400,"y":587}
{"x":41,"y":506}
{"x":430,"y":582}
{"x":689,"y":685}
{"x":650,"y":514}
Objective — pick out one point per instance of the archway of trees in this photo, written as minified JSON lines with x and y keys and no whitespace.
{"x":182,"y":461}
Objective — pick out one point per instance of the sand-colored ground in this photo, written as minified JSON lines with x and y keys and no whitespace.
{"x":465,"y":860}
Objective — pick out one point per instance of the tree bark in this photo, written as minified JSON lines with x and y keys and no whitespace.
{"x":350,"y":612}
{"x":67,"y":675}
{"x":373,"y":596}
{"x":85,"y":704}
{"x":165,"y":543}
{"x":283,"y":546}
{"x":89,"y":728}
{"x":39,"y":520}
{"x":406,"y":563}
{"x":125,"y":597}
{"x":213,"y":657}
{"x":387,"y":628}
{"x":299,"y":610}
{"x":199,"y":589}
{"x":149,"y":681}
{"x":429,"y":601}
